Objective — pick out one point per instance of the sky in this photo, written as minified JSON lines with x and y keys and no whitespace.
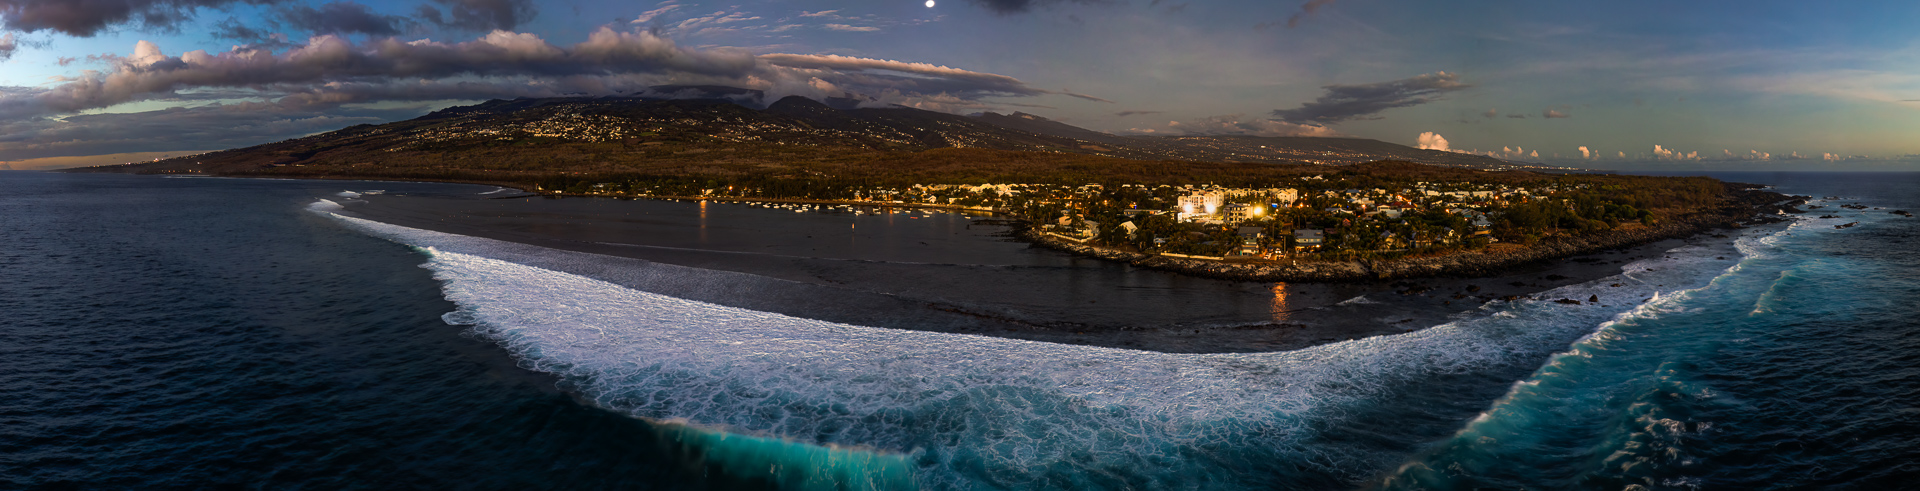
{"x":1648,"y":84}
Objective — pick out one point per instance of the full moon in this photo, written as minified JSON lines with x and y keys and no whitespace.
{"x":929,"y":3}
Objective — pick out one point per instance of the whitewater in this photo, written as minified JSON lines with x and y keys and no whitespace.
{"x":830,"y":405}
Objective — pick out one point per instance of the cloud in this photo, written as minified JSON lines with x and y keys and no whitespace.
{"x":1432,"y":141}
{"x":341,"y":18}
{"x":8,"y":45}
{"x":1553,"y":114}
{"x":1070,"y":93}
{"x":823,"y":13}
{"x":1231,"y":124}
{"x":848,"y":28}
{"x":331,"y":59}
{"x":1011,"y":7}
{"x":648,"y":16}
{"x":1586,"y":154}
{"x":902,"y":76}
{"x":85,"y":18}
{"x":1136,"y":113}
{"x":329,"y":72}
{"x":479,"y":15}
{"x":1517,"y":116}
{"x":1348,"y":102}
{"x":198,"y":128}
{"x":1490,"y":114}
{"x":1662,"y":153}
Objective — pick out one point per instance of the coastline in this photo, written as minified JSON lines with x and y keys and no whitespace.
{"x":1066,"y":300}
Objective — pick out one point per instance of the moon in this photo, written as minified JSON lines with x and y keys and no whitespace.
{"x":929,"y":3}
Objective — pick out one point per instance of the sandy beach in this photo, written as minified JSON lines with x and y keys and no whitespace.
{"x":951,"y":272}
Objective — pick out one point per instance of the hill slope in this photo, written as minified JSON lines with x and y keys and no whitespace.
{"x":723,"y":135}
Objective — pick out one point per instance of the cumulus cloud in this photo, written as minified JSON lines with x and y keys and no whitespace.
{"x":1553,"y":114}
{"x":1432,"y":141}
{"x":479,"y":15}
{"x":1232,"y":124}
{"x":1585,"y":154}
{"x":1662,"y":153}
{"x":8,"y":44}
{"x":1363,"y":101}
{"x":87,"y":17}
{"x":341,"y":18}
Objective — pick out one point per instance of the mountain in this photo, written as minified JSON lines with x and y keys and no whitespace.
{"x":710,"y":128}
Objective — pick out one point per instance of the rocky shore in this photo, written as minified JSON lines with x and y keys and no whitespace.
{"x":1745,"y":205}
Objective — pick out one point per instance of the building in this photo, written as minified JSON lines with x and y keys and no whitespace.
{"x":1308,"y":240}
{"x":1250,"y":240}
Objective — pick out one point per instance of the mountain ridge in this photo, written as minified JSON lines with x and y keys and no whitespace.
{"x":721,"y":126}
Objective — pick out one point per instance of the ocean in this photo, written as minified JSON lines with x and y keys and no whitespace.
{"x":197,"y":333}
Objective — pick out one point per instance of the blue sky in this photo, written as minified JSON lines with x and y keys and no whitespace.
{"x":1742,"y":83}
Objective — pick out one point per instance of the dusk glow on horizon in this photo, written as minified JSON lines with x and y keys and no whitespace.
{"x":1768,"y":85}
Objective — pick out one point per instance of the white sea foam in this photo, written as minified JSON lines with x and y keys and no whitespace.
{"x":979,"y":409}
{"x":1360,"y":300}
{"x":497,"y":190}
{"x":348,"y":194}
{"x":325,"y":206}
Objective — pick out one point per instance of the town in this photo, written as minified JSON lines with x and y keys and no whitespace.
{"x":1327,"y":216}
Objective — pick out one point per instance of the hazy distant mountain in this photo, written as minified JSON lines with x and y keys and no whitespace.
{"x":702,"y":119}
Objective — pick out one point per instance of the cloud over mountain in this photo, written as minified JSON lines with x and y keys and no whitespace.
{"x":329,"y":71}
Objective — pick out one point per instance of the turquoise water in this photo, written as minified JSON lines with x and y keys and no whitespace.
{"x":1785,"y":360}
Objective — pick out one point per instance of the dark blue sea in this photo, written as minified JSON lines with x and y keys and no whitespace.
{"x":191,"y":333}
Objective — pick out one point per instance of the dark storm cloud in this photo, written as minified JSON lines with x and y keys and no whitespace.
{"x":341,"y":18}
{"x":87,"y":17}
{"x":1363,"y":101}
{"x":479,"y":15}
{"x":1011,"y":7}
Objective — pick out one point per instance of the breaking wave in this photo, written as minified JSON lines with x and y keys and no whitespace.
{"x":961,"y":411}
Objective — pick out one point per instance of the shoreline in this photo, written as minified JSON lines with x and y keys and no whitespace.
{"x":1747,"y":211}
{"x":1464,"y":264}
{"x":990,"y":300}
